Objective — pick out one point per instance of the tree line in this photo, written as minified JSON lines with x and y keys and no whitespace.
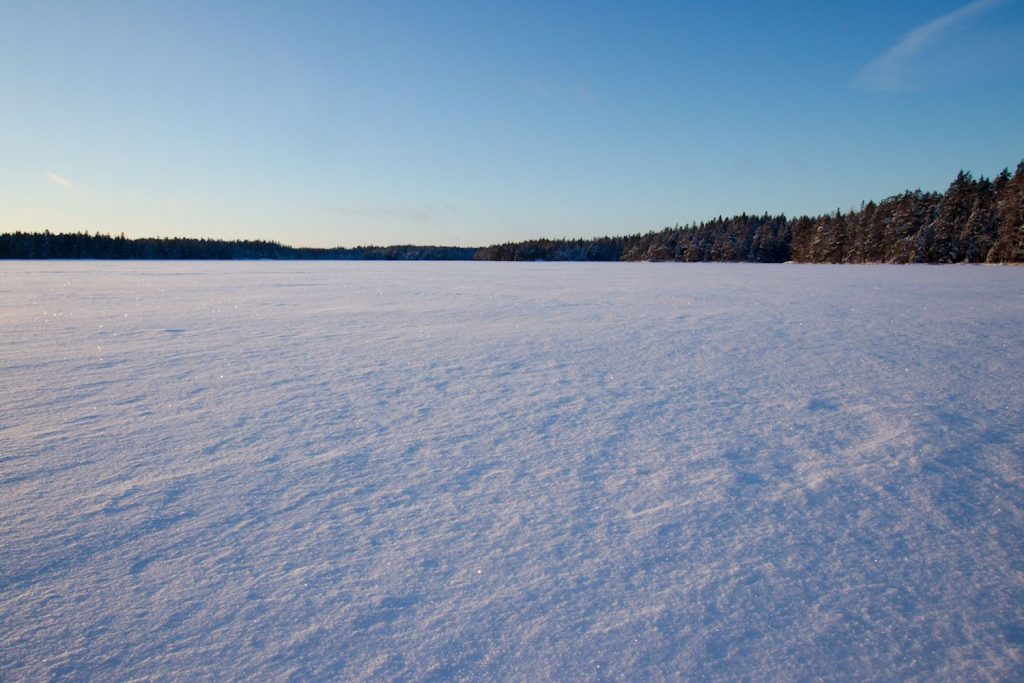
{"x":973,"y":221}
{"x":43,"y":245}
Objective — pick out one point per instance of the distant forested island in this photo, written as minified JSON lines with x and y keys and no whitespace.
{"x":974,"y":221}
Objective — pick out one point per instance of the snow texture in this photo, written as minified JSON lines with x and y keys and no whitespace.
{"x":470,"y":471}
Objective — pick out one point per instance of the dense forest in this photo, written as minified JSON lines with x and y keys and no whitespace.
{"x":974,"y":221}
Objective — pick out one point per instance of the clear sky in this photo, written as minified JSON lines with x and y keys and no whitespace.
{"x":469,"y":123}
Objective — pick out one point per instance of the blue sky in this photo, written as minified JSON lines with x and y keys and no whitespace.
{"x":344,"y":123}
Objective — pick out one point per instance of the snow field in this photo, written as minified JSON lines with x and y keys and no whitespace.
{"x":467,"y":471}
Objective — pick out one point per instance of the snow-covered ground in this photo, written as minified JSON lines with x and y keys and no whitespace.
{"x":511,"y":471}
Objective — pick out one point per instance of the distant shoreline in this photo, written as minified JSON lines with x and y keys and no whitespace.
{"x":974,"y":221}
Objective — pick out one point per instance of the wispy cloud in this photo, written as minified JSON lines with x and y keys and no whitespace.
{"x":534,"y":87}
{"x":582,"y":91}
{"x":889,"y":71}
{"x":59,"y":181}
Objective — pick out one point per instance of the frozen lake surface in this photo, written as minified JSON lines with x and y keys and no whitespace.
{"x":476,"y":471}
